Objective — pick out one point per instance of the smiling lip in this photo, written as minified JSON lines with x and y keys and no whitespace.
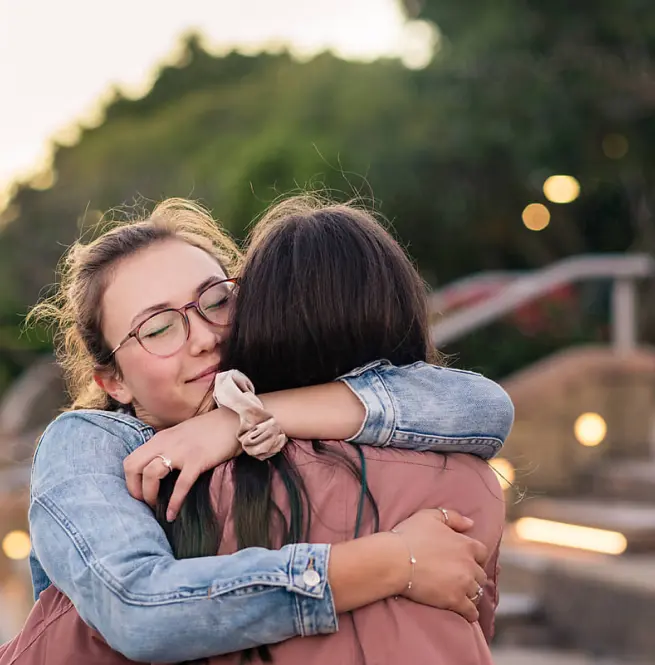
{"x":202,"y":375}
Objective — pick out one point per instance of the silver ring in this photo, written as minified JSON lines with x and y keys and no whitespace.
{"x":166,"y":462}
{"x":444,"y":512}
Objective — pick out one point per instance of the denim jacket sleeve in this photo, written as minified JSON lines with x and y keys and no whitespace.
{"x":107,"y":553}
{"x":430,"y":408}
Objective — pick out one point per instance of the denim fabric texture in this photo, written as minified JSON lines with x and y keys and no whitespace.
{"x":107,"y":553}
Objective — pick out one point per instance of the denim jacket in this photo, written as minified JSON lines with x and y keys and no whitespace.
{"x":108,"y":554}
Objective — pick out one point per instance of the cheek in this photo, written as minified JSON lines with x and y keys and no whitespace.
{"x":158,"y":388}
{"x":154,"y":382}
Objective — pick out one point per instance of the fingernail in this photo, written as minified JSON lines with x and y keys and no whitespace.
{"x":468,"y":521}
{"x":170,"y":516}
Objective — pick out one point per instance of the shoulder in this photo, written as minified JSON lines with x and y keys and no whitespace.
{"x":111,"y":421}
{"x":94,"y":423}
{"x":87,"y":441}
{"x":427,"y":371}
{"x":435,"y":377}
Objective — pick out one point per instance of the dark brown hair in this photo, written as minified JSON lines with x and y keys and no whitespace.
{"x":324,"y":289}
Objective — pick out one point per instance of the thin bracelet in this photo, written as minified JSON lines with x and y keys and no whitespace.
{"x":412,"y":560}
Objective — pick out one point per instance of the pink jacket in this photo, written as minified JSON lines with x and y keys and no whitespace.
{"x":388,"y":632}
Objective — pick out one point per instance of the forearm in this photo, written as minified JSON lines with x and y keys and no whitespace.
{"x":329,"y":411}
{"x":138,"y":598}
{"x":137,"y":604}
{"x":418,"y":407}
{"x":428,"y":408}
{"x":108,"y":554}
{"x":366,"y":570}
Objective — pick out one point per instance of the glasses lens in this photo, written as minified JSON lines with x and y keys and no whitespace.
{"x":215,"y":301}
{"x":163,"y":333}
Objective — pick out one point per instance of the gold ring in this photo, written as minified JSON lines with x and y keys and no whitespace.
{"x":445,"y":515}
{"x":166,"y":462}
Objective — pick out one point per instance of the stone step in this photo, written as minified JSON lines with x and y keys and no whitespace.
{"x":519,"y":619}
{"x":596,"y":603}
{"x":517,"y":607}
{"x":632,"y":480}
{"x":635,"y":521}
{"x":521,"y":656}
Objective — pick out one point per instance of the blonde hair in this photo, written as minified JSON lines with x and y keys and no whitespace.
{"x":74,"y":310}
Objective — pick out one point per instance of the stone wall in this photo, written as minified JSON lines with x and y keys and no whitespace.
{"x":550,"y":395}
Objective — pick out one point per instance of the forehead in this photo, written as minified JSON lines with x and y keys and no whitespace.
{"x":167,"y":272}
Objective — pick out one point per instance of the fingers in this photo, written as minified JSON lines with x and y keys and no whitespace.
{"x":152,"y":475}
{"x":134,"y":484}
{"x":133,"y":476}
{"x":468,"y":610}
{"x":135,"y":463}
{"x":264,"y":440}
{"x":474,"y":592}
{"x":183,"y":485}
{"x":480,"y":576}
{"x":480,"y":552}
{"x":456,"y":520}
{"x":268,"y":448}
{"x":257,"y":434}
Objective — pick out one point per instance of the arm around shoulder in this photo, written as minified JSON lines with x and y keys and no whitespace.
{"x":108,"y":554}
{"x":431,"y":408}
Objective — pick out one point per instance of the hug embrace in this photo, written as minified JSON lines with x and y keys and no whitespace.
{"x":264,"y":459}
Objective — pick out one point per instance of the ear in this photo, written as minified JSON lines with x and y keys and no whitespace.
{"x":113,"y":386}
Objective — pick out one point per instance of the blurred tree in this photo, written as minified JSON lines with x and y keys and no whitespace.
{"x":517,"y":91}
{"x":532,"y":89}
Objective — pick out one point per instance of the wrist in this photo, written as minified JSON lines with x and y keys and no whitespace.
{"x":367,"y":570}
{"x":226,"y":423}
{"x":410,"y":558}
{"x":400,"y":567}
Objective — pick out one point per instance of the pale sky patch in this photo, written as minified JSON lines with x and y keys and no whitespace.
{"x":59,"y":60}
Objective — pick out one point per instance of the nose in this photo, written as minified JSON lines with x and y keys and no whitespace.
{"x":203,"y":336}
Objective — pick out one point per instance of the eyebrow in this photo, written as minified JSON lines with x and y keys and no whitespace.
{"x":214,"y":279}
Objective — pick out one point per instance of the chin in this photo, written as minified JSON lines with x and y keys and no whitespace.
{"x":202,"y":400}
{"x":159,"y":418}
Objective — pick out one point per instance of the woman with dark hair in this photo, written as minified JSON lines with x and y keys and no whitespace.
{"x":325,"y":288}
{"x":105,"y":551}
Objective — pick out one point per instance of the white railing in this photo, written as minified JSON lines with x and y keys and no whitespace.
{"x":623,"y":270}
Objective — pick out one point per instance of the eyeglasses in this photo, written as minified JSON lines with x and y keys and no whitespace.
{"x":165,"y":332}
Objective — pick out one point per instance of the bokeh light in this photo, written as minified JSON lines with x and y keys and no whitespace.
{"x":561,"y":188}
{"x":615,"y":146}
{"x":590,"y":429}
{"x":16,"y":545}
{"x":536,"y":217}
{"x":419,"y":42}
{"x":504,"y":470}
{"x":570,"y":535}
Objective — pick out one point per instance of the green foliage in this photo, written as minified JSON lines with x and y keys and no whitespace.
{"x":518,"y":90}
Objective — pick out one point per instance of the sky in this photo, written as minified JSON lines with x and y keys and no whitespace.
{"x":59,"y":60}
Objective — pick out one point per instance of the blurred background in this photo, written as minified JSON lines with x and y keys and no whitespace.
{"x":511,"y":145}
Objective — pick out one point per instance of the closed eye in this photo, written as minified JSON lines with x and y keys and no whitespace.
{"x":158,"y":332}
{"x":218,"y":303}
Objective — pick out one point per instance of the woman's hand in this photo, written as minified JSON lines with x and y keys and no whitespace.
{"x":259,"y":433}
{"x":193,"y":447}
{"x":448,"y":571}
